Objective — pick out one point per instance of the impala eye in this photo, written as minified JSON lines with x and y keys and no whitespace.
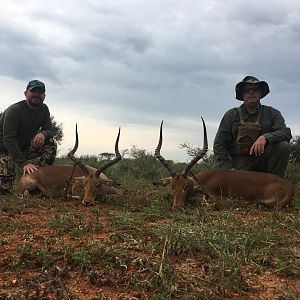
{"x":187,"y":186}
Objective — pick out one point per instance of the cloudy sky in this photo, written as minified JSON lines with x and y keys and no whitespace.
{"x":132,"y":63}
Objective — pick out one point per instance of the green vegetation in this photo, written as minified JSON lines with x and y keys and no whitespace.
{"x":295,"y":149}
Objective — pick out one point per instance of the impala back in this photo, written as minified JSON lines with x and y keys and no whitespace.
{"x":259,"y":187}
{"x":52,"y":177}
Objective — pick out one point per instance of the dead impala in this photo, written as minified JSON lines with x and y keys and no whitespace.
{"x":91,"y":184}
{"x":50,"y":178}
{"x":55,"y":177}
{"x":255,"y":187}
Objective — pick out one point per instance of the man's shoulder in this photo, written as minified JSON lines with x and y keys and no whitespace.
{"x":16,"y":106}
{"x":22,"y":105}
{"x":231,"y":111}
{"x":43,"y":110}
{"x":266,"y":107}
{"x":44,"y":106}
{"x":270,"y":109}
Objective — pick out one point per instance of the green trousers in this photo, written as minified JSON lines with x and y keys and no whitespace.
{"x":274,"y":160}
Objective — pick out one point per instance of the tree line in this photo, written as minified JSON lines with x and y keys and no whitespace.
{"x":191,"y":151}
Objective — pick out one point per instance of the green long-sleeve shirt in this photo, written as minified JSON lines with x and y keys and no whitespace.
{"x":273,"y":128}
{"x":18,"y":125}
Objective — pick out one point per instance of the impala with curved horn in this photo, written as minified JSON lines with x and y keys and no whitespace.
{"x":254,"y":187}
{"x":182,"y":185}
{"x":93,"y":183}
{"x":54,"y":178}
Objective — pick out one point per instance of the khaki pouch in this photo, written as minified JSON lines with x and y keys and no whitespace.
{"x":248,"y":132}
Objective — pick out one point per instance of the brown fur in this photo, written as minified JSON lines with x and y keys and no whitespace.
{"x":52,"y":178}
{"x":91,"y":187}
{"x":256,"y":187}
{"x":261,"y":188}
{"x":86,"y":182}
{"x":253,"y":187}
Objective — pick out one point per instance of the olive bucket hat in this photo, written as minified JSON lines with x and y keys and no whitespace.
{"x":251,"y":80}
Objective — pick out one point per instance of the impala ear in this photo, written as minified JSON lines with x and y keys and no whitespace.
{"x":163,"y":182}
{"x":105,"y":181}
{"x":109,"y":182}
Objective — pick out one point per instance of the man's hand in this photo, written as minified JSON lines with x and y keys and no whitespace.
{"x":259,"y":146}
{"x":38,"y":140}
{"x":29,"y":168}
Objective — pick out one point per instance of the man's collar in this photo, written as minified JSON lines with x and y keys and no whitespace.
{"x":247,"y":112}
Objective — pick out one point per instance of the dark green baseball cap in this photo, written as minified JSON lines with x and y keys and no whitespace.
{"x":35,"y":83}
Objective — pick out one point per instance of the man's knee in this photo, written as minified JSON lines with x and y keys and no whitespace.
{"x":278,"y":157}
{"x":282,"y":148}
{"x":48,"y":153}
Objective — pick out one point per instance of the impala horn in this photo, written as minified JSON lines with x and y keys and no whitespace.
{"x":76,"y":160}
{"x":111,"y":162}
{"x":193,"y":161}
{"x":200,"y":154}
{"x":157,"y":152}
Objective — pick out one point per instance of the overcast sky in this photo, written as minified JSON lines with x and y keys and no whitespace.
{"x":132,"y":63}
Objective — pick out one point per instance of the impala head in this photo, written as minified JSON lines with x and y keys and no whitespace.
{"x":90,"y":185}
{"x":182,"y":185}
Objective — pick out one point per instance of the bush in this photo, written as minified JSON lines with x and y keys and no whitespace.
{"x":295,"y":149}
{"x":139,"y":165}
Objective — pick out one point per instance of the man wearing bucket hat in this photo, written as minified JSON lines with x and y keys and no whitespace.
{"x":25,"y":133}
{"x":253,"y":136}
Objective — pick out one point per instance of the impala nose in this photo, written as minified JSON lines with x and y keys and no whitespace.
{"x":88,"y":201}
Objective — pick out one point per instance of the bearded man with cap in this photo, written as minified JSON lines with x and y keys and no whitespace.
{"x":253,"y":136}
{"x":25,"y":133}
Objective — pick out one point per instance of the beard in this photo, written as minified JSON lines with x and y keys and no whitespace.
{"x":35,"y":102}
